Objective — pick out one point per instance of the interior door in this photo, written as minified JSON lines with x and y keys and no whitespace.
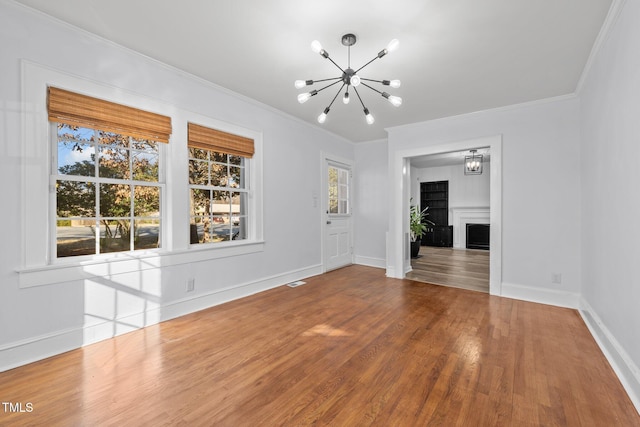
{"x":338,"y":240}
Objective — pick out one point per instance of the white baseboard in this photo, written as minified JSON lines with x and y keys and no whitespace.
{"x":371,"y":262}
{"x":541,"y":295}
{"x":41,"y":347}
{"x":622,"y":364}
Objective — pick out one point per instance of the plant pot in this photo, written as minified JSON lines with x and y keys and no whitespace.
{"x":415,"y":248}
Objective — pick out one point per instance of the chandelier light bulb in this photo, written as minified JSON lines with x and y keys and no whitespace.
{"x":304,"y":97}
{"x":322,"y":117}
{"x":354,"y":80}
{"x":316,"y":46}
{"x":345,"y":98}
{"x":368,"y":116}
{"x":393,"y":45}
{"x":299,"y":84}
{"x":395,"y":84}
{"x":396,"y":101}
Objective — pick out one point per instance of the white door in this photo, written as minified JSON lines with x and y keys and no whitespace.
{"x":338,"y":244}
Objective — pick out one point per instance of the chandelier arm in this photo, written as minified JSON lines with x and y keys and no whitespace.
{"x":337,"y":93}
{"x":329,"y":85}
{"x":356,"y":91}
{"x":326,"y":80}
{"x":367,"y":64}
{"x":334,"y":63}
{"x":372,"y":80}
{"x":372,"y":88}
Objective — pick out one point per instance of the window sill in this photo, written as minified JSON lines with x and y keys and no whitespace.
{"x":130,"y":262}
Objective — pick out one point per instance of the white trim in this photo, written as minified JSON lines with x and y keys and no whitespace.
{"x":541,"y":295}
{"x":22,"y":352}
{"x":370,"y":262}
{"x":623,"y":365}
{"x":400,"y":186}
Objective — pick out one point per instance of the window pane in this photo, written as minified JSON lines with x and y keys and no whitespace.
{"x":75,"y":199}
{"x":75,"y":133}
{"x":198,"y":172}
{"x":146,"y":201}
{"x":145,"y":166}
{"x":235,"y":177}
{"x":221,"y":204}
{"x":75,"y":237}
{"x":76,"y":158}
{"x":197,"y":153}
{"x":218,"y":157}
{"x":147,"y":234}
{"x":342,"y":208}
{"x":115,"y":235}
{"x":200,"y":202}
{"x":219,"y":175}
{"x":236,"y":160}
{"x":115,"y":200}
{"x":333,"y":206}
{"x":114,"y":162}
{"x":109,"y":138}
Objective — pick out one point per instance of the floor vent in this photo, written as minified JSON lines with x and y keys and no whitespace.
{"x":296,"y":283}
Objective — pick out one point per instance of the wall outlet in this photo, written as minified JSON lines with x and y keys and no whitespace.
{"x":191,"y":285}
{"x":556,"y":278}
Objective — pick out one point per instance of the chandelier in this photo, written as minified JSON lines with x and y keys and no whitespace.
{"x":473,"y":163}
{"x":350,"y":79}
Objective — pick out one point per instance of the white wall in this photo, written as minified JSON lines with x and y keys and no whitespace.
{"x":541,"y":217}
{"x":371,"y":203}
{"x":39,"y":321}
{"x":610,"y":128}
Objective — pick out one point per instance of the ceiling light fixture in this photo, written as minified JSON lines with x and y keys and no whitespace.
{"x":473,"y":163}
{"x":350,"y":79}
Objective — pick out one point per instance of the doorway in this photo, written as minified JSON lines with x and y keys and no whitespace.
{"x":452,"y":200}
{"x":398,"y":251}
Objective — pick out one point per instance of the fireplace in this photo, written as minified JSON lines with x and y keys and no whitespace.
{"x":478,"y":236}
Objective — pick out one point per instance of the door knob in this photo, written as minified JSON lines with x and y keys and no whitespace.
{"x":328,"y":222}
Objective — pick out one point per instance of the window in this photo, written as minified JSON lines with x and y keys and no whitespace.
{"x":219,"y":166}
{"x":338,"y":190}
{"x":107,"y":175}
{"x":108,"y":192}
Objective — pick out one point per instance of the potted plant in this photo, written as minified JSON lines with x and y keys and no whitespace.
{"x":417,"y":227}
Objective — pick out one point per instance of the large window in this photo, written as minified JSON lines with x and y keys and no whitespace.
{"x":108,"y":192}
{"x":218,"y":185}
{"x":107,"y":175}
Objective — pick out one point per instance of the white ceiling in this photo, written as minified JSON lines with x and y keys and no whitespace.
{"x":454,"y":57}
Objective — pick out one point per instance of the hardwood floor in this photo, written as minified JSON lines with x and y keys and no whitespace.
{"x":348,"y":348}
{"x":460,"y":268}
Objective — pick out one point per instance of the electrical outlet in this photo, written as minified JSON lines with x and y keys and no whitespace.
{"x":556,"y":278}
{"x":191,"y":285}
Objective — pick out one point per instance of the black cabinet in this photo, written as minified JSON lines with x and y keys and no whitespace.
{"x":435,"y":195}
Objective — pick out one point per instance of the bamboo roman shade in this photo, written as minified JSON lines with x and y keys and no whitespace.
{"x":81,"y":110}
{"x":215,"y":140}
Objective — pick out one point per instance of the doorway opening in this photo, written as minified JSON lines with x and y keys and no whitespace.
{"x":452,"y":200}
{"x":406,"y":184}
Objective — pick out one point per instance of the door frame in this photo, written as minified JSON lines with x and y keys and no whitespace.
{"x":325,"y":159}
{"x":398,"y":253}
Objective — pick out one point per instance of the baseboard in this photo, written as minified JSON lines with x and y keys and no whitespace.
{"x":371,"y":262}
{"x":541,"y":295}
{"x":23,"y":352}
{"x":622,"y":364}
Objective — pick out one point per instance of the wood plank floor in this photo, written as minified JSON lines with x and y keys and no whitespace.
{"x":460,"y":268}
{"x":349,"y":348}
